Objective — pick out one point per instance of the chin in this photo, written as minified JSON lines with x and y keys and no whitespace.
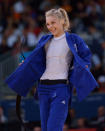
{"x":54,"y":33}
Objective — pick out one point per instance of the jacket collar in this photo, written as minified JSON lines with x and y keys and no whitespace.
{"x":68,"y":38}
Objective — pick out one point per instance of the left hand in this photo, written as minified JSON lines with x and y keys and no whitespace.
{"x":86,"y":66}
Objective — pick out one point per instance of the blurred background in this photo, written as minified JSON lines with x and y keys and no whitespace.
{"x":22,"y":23}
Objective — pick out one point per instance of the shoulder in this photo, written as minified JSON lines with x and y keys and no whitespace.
{"x":44,"y":37}
{"x":75,"y":37}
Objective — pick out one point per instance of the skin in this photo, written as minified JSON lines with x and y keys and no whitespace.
{"x":65,"y":127}
{"x":55,"y":25}
{"x":101,"y":111}
{"x":81,"y":123}
{"x":1,"y":111}
{"x":37,"y":129}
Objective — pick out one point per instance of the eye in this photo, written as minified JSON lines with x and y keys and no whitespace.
{"x":47,"y":24}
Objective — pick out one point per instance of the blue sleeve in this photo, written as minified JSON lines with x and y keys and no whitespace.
{"x":83,"y":50}
{"x":24,"y":77}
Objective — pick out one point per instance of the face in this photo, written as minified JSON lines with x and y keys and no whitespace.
{"x":65,"y":127}
{"x":101,"y":111}
{"x":81,"y":123}
{"x":37,"y":129}
{"x":72,"y":113}
{"x":55,"y":25}
{"x":1,"y":111}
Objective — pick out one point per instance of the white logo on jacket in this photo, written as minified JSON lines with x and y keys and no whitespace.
{"x":63,"y":102}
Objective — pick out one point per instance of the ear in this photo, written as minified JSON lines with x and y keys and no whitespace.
{"x":62,"y":21}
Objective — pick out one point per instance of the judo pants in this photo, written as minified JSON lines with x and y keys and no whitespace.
{"x":53,"y":100}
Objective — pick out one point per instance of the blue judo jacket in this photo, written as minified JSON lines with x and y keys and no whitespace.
{"x":24,"y":77}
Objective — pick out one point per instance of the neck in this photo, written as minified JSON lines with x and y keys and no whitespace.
{"x":58,"y":35}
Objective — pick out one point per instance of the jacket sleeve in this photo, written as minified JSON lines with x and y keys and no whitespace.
{"x":24,"y":77}
{"x":83,"y":51}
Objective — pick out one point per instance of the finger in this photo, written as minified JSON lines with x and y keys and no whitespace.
{"x":20,"y":64}
{"x":86,"y":66}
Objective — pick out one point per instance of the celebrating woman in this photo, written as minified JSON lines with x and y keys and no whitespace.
{"x":60,"y":61}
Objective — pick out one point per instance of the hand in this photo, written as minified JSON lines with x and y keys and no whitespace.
{"x":21,"y":62}
{"x":86,"y":66}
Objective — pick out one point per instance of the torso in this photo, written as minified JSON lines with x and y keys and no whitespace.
{"x":58,"y":59}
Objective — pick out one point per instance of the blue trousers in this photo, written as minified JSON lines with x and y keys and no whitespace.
{"x":53,"y":100}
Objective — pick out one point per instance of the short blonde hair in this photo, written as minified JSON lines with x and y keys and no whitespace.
{"x":60,"y":14}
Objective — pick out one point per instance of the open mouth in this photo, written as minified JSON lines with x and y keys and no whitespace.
{"x":53,"y":31}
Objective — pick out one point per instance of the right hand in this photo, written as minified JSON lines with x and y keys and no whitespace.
{"x":21,"y":62}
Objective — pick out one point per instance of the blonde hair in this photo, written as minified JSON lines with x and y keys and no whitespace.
{"x":60,"y":14}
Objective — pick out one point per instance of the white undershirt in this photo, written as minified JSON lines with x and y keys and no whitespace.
{"x":58,"y":59}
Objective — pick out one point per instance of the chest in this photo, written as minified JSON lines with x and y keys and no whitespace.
{"x":59,"y":48}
